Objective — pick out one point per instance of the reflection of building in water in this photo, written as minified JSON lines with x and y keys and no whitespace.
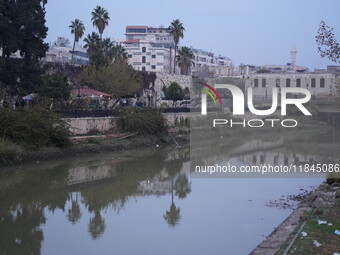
{"x":87,"y":173}
{"x":256,"y":145}
{"x":154,"y":186}
{"x":277,"y":157}
{"x":160,"y":184}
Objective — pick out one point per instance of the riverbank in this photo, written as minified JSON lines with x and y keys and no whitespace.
{"x":310,"y":228}
{"x":83,"y":145}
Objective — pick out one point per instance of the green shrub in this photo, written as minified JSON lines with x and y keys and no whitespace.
{"x":33,"y":128}
{"x":9,"y":150}
{"x":142,"y":121}
{"x":93,"y":141}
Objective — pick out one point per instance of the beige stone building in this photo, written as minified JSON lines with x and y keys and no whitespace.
{"x":319,"y":84}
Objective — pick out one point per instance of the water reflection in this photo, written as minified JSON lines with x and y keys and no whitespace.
{"x":95,"y":186}
{"x":312,"y":145}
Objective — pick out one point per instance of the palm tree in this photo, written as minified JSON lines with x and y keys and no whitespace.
{"x":176,"y":29}
{"x":185,"y":59}
{"x":100,"y":19}
{"x":108,"y":49}
{"x":173,"y":216}
{"x":92,"y":43}
{"x":182,"y":186}
{"x":96,"y":225}
{"x":119,"y":53}
{"x":77,"y":28}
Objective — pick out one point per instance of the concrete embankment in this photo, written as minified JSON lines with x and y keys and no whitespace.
{"x":281,"y":240}
{"x":82,"y":145}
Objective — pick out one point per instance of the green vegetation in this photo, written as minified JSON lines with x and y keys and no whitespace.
{"x":185,"y":59}
{"x":9,"y":150}
{"x":77,"y":28}
{"x":33,"y":128}
{"x":54,"y":86}
{"x":322,"y":233}
{"x":177,"y":31}
{"x":141,"y":121}
{"x":118,"y":79}
{"x":100,"y":19}
{"x":22,"y":29}
{"x":174,"y":92}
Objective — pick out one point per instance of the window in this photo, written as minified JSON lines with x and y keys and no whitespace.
{"x":130,"y":56}
{"x":143,"y":68}
{"x":143,"y":59}
{"x":153,"y":56}
{"x":298,"y":82}
{"x":256,"y":83}
{"x":143,"y":49}
{"x":264,"y":83}
{"x":322,"y":82}
{"x":254,"y":159}
{"x":277,"y":83}
{"x":262,"y":159}
{"x":313,"y":83}
{"x":153,"y":67}
{"x":287,"y":83}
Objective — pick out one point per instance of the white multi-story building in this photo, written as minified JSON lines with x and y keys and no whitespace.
{"x":147,"y":56}
{"x":149,"y":49}
{"x":158,"y":35}
{"x":61,"y":51}
{"x":204,"y":58}
{"x":216,"y":65}
{"x":319,"y":84}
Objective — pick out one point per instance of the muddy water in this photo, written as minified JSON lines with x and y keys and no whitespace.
{"x":136,"y":202}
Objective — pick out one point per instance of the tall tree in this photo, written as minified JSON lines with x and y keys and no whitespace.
{"x":77,"y":28}
{"x":118,"y":79}
{"x":22,"y":28}
{"x":100,"y":19}
{"x":174,"y":93}
{"x":327,"y":44}
{"x":94,"y":47}
{"x":185,"y":59}
{"x":176,"y":29}
{"x":119,"y":53}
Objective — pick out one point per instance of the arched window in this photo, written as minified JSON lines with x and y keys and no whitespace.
{"x":256,"y":83}
{"x":313,"y":85}
{"x":264,"y":82}
{"x":298,"y":82}
{"x":277,"y":83}
{"x":287,"y":83}
{"x":322,"y":82}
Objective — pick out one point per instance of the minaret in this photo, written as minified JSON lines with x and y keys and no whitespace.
{"x":293,"y":53}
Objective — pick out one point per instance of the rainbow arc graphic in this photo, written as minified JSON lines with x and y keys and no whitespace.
{"x":212,"y":93}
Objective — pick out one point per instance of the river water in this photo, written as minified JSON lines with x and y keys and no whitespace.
{"x":136,"y":202}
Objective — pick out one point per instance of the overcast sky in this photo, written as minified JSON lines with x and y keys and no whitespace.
{"x":247,"y":31}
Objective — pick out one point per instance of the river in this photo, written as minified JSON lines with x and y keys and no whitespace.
{"x":136,"y":202}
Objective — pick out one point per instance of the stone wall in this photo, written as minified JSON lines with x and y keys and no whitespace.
{"x":165,"y":79}
{"x":82,"y":126}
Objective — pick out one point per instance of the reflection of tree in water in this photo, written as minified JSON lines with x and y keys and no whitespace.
{"x":20,"y":232}
{"x":182,"y":186}
{"x":74,"y":213}
{"x":25,"y":195}
{"x":96,"y":225}
{"x":173,"y":216}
